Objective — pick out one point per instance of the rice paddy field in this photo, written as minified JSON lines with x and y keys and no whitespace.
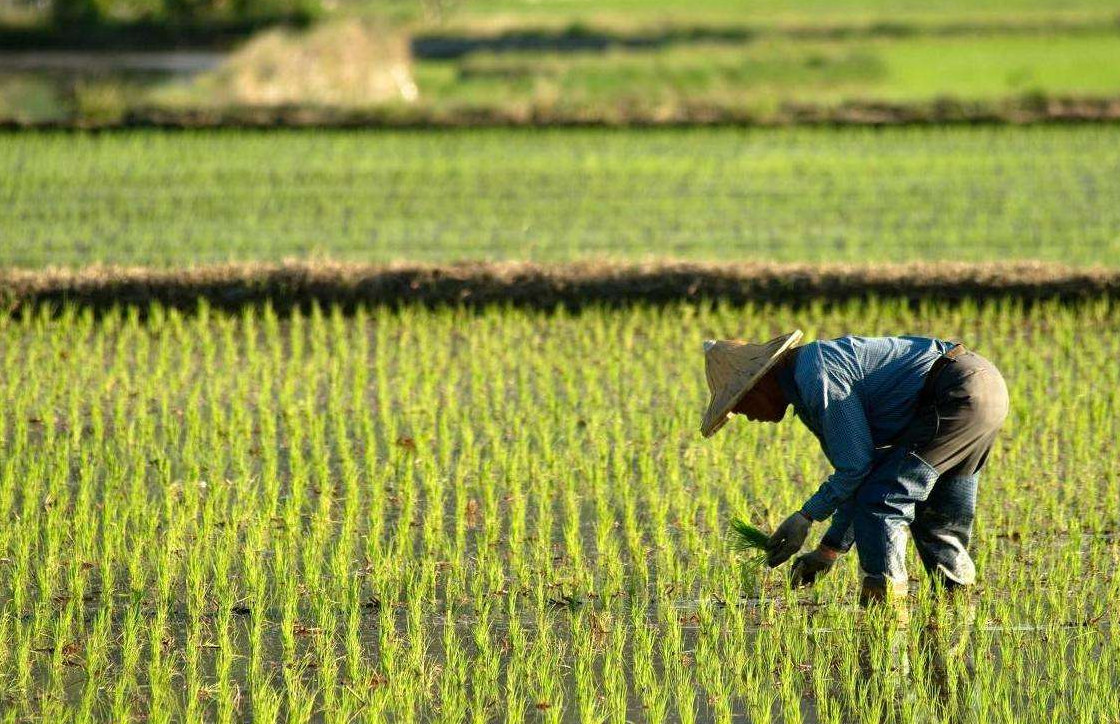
{"x":758,"y":78}
{"x":506,"y":515}
{"x":613,"y":62}
{"x":799,"y":194}
{"x":777,"y":12}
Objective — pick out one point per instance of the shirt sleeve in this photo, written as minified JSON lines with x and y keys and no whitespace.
{"x":846,"y":438}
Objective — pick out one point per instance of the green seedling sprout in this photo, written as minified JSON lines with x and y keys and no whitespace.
{"x":189,"y":539}
{"x":746,"y":538}
{"x":692,"y":222}
{"x":749,"y":541}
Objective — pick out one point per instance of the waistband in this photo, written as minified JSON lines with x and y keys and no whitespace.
{"x":925,"y":396}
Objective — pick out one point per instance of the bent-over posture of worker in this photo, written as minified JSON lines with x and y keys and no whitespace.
{"x":907,"y":423}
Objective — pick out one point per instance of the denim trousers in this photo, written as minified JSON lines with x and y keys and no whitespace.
{"x":927,"y":481}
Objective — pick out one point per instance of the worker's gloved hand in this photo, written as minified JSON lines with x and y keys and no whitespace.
{"x":809,"y":567}
{"x":787,"y":539}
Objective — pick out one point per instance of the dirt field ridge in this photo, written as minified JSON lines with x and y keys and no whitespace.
{"x":294,"y":283}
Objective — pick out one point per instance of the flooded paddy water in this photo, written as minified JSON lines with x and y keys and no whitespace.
{"x":42,"y":86}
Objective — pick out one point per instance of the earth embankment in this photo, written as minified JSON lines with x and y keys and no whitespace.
{"x":291,"y":284}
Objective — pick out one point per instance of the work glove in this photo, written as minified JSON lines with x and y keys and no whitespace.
{"x":787,"y":539}
{"x":807,"y":568}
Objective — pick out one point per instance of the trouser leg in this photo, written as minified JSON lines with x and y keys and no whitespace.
{"x":885,"y":508}
{"x":942,"y":530}
{"x":935,"y":473}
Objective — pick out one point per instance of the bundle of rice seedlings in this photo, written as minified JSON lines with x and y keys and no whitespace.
{"x":745,"y":538}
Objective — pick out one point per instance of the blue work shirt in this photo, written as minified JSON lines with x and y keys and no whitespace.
{"x":856,"y":394}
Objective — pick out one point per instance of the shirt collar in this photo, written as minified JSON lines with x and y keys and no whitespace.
{"x":785,"y":375}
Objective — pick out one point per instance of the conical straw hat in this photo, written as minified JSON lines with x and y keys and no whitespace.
{"x":734,"y":367}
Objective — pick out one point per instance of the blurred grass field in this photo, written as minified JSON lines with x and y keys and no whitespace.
{"x":623,"y":62}
{"x":759,"y":77}
{"x":863,"y":195}
{"x":775,"y":12}
{"x":678,"y":81}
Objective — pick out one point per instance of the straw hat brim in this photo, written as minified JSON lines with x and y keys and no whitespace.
{"x":719,"y":407}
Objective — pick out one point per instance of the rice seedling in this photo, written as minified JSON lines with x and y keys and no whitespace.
{"x":746,"y":537}
{"x":388,"y":515}
{"x":806,"y":194}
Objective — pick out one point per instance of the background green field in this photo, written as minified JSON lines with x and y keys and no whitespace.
{"x":498,"y":514}
{"x":758,"y":78}
{"x":508,"y":516}
{"x":620,"y":61}
{"x":817,"y":12}
{"x":754,"y":57}
{"x":865,"y":195}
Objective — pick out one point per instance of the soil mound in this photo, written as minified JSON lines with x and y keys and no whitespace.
{"x":344,"y":64}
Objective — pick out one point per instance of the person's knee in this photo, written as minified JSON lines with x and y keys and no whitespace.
{"x":910,"y":482}
{"x":951,"y":508}
{"x":937,"y":524}
{"x":936,"y":534}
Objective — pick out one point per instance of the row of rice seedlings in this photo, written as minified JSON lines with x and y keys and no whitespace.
{"x":796,"y":194}
{"x":394,"y":515}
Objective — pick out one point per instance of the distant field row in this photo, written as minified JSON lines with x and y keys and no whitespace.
{"x":168,"y":199}
{"x":706,"y":74}
{"x":776,"y":12}
{"x":756,"y":79}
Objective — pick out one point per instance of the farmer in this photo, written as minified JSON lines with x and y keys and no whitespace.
{"x":907,"y":423}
